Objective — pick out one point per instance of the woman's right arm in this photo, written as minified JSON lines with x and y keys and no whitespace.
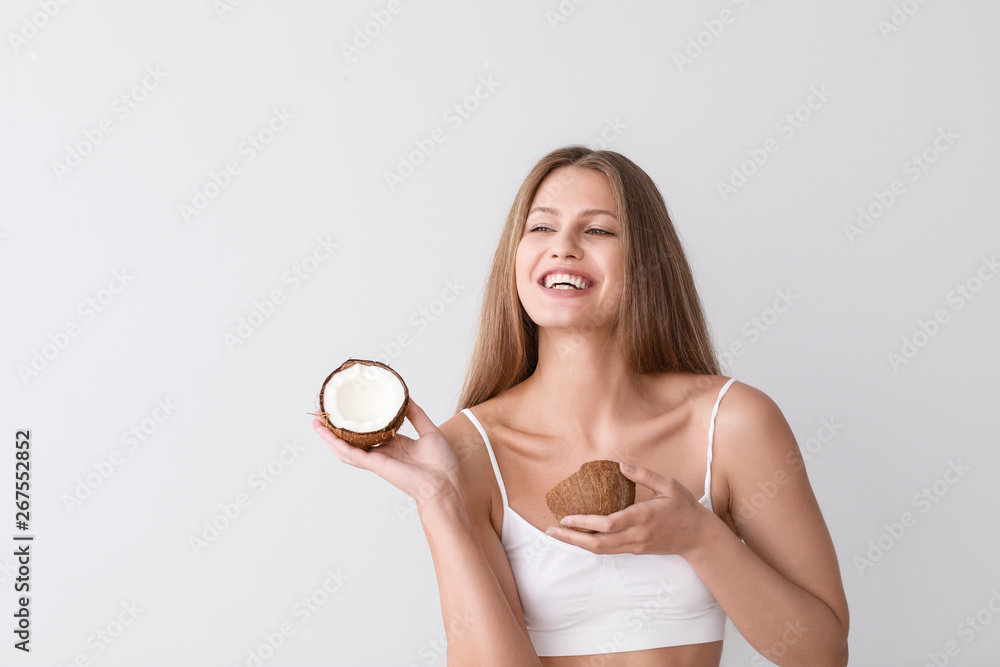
{"x":479,"y":602}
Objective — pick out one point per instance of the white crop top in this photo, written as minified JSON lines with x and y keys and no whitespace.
{"x":580,"y":603}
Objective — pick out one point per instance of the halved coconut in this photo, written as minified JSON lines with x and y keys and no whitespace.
{"x":363,"y":402}
{"x":598,"y":487}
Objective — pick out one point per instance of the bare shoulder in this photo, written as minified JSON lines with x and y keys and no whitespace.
{"x":461,"y":435}
{"x":763,"y":477}
{"x":769,"y":500}
{"x":468,"y":446}
{"x":750,"y":425}
{"x":748,"y":413}
{"x":751,"y":441}
{"x":475,"y":467}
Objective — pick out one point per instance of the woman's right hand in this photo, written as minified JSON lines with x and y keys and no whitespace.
{"x":426,"y":469}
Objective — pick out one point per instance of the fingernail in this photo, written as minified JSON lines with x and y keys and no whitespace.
{"x":627,"y":467}
{"x":567,"y":521}
{"x":551,"y":531}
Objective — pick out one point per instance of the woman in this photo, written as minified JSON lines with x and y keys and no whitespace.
{"x":593,"y":345}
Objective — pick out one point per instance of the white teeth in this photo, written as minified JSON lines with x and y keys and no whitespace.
{"x":576,"y":281}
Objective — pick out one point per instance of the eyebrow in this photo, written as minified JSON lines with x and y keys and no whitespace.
{"x":586,"y":213}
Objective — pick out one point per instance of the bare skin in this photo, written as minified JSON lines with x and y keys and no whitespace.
{"x":534,"y":455}
{"x":774,"y":571}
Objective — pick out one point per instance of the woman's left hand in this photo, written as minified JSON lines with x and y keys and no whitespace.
{"x":671,"y":522}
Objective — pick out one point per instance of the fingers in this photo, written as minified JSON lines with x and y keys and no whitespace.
{"x":419,"y":419}
{"x":625,"y":541}
{"x":611,"y":523}
{"x":594,"y":522}
{"x":329,"y":437}
{"x":651,"y":480}
{"x":351,"y":455}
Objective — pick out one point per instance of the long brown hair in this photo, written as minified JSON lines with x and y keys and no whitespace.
{"x":660,"y":321}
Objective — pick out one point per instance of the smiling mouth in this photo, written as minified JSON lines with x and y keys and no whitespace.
{"x":565,"y":281}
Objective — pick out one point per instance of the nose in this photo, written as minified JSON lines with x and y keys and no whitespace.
{"x":565,"y":244}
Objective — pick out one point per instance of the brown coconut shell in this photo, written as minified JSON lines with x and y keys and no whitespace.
{"x":598,"y":487}
{"x":368,"y":439}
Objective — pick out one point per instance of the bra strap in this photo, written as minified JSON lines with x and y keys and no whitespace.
{"x":489,"y":448}
{"x":711,"y":435}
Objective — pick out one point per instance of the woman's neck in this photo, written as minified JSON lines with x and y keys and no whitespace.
{"x":585,"y":380}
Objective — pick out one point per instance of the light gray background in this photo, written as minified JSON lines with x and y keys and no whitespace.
{"x":162,"y":337}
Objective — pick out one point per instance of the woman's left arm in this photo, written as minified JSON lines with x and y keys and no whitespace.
{"x":780,"y":584}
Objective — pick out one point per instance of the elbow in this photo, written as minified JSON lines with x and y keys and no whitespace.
{"x":841,"y":658}
{"x":829,"y":651}
{"x":829,"y":658}
{"x":835,"y":647}
{"x":837,"y":660}
{"x":840,"y":653}
{"x":837,"y":655}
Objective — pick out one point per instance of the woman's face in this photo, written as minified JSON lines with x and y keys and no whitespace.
{"x":572,"y":228}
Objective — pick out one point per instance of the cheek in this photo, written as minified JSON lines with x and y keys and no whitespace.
{"x":520,"y":279}
{"x":617,"y":283}
{"x":522,"y":262}
{"x":614,"y":267}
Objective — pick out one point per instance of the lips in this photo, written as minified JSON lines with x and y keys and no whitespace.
{"x":562,"y":274}
{"x":565,"y":281}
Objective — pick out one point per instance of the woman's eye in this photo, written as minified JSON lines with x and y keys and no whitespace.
{"x":600,"y":232}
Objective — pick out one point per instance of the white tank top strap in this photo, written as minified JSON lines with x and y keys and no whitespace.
{"x":489,"y":448}
{"x":711,"y":436}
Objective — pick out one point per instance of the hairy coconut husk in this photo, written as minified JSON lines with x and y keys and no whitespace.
{"x":368,"y":439}
{"x":598,"y":487}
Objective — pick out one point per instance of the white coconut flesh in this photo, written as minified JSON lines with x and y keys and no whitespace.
{"x":363,"y":398}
